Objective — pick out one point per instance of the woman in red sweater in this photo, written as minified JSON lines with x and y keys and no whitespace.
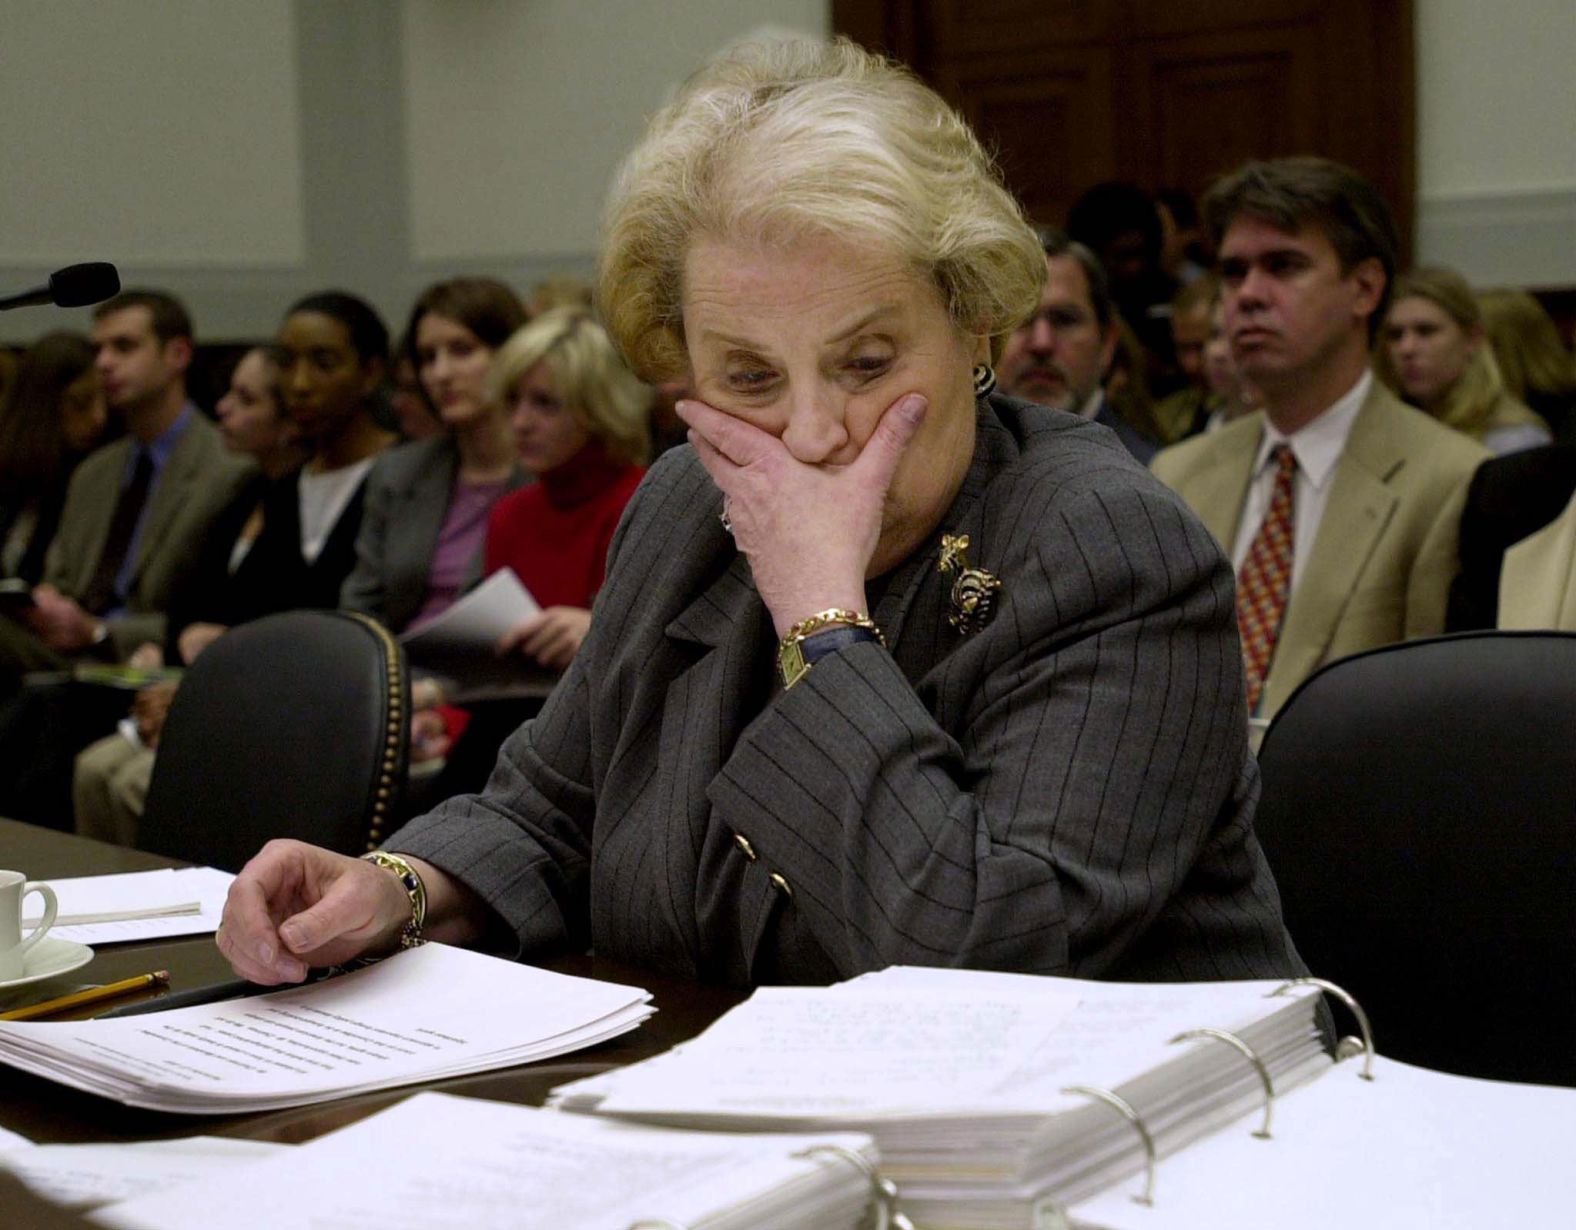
{"x":579,"y":418}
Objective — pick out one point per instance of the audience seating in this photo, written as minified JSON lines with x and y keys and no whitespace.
{"x":1419,"y":811}
{"x":294,"y":725}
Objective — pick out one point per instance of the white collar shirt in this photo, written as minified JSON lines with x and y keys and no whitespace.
{"x":1317,"y":446}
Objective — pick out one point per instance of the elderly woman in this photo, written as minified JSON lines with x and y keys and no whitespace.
{"x":886,"y":669}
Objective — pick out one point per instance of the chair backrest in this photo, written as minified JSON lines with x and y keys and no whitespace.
{"x":1419,"y":813}
{"x":294,"y":725}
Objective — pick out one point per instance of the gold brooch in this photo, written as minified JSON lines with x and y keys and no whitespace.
{"x":974,"y":591}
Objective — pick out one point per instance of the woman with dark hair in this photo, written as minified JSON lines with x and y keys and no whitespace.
{"x":428,"y":501}
{"x":53,"y":418}
{"x":287,"y":542}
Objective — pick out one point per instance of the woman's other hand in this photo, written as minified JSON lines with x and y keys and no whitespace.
{"x":146,"y":657}
{"x":429,"y":736}
{"x":149,"y":710}
{"x":551,"y":638}
{"x":194,"y":638}
{"x":810,"y":530}
{"x":295,"y":907}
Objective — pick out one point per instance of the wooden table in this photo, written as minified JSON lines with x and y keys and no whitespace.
{"x":47,"y":1113}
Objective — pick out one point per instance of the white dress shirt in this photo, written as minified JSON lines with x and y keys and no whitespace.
{"x":1317,"y":447}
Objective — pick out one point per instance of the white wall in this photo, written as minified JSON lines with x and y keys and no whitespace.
{"x":165,"y":128}
{"x":244,"y":152}
{"x":518,"y":113}
{"x":1496,"y":158}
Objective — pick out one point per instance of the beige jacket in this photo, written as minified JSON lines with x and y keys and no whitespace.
{"x":1537,"y":587}
{"x":1380,"y":568}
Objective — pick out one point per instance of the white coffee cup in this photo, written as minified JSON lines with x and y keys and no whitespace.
{"x":14,"y":887}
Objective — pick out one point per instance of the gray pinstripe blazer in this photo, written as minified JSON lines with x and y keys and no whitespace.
{"x":1068,"y":791}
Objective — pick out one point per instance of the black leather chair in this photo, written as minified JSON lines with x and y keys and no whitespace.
{"x":1419,"y":812}
{"x":295,"y":725}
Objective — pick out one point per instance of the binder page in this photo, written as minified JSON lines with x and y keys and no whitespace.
{"x":1410,"y":1150}
{"x":438,"y":1162}
{"x":83,"y":1176}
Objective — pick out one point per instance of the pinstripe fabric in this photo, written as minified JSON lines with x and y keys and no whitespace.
{"x":1068,"y":791}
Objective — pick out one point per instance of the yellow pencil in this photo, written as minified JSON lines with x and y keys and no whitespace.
{"x":125,"y":986}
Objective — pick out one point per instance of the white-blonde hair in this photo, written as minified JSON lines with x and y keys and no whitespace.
{"x":590,"y":379}
{"x":780,"y":141}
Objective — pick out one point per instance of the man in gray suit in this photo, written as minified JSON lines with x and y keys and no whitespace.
{"x":1061,"y":355}
{"x":137,"y":510}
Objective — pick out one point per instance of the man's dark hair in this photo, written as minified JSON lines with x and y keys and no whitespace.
{"x":1058,"y":243}
{"x":1112,"y":209}
{"x":170,"y":317}
{"x":1291,"y":193}
{"x":368,"y":334}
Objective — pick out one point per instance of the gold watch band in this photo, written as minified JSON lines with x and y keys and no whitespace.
{"x":410,"y":934}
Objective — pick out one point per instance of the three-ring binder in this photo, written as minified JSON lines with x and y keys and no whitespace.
{"x":883,"y":1192}
{"x":1237,"y":1044}
{"x":1125,"y":1108}
{"x":1346,"y":1047}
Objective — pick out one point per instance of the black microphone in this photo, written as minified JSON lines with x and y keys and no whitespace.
{"x":73,"y":286}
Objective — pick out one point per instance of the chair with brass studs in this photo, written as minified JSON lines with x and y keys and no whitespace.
{"x":294,"y":725}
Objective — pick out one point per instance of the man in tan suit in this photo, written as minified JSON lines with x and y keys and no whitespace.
{"x":1339,"y":505}
{"x":137,"y":510}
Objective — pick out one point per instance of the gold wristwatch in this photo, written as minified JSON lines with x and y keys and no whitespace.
{"x":810,"y":640}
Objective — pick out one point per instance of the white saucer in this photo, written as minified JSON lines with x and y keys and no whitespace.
{"x":50,"y":957}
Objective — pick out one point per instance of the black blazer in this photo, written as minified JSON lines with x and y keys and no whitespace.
{"x":273,"y":576}
{"x":1511,"y":498}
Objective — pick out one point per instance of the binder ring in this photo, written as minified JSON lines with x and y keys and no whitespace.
{"x":1125,"y":1109}
{"x":1343,"y":1048}
{"x":1248,"y":1053}
{"x":883,"y":1192}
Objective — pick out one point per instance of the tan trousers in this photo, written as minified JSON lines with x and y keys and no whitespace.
{"x":109,"y":789}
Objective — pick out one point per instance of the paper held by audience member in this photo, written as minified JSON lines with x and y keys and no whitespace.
{"x":424,"y":1014}
{"x":166,"y":895}
{"x":477,"y":621}
{"x":85,"y":1176}
{"x":438,"y":1162}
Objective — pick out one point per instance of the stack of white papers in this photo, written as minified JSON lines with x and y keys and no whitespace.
{"x":140,"y":905}
{"x":961,"y":1076}
{"x":425,"y":1014}
{"x":437,"y":1162}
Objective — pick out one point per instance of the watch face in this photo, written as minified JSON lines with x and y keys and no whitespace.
{"x":790,"y":663}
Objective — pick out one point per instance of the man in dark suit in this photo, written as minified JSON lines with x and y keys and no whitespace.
{"x":137,"y":510}
{"x":1059,"y":358}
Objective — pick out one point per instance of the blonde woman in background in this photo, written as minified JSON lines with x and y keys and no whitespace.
{"x":1538,"y":368}
{"x":1434,"y":353}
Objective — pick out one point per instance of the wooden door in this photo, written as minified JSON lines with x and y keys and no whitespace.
{"x":1167,"y":93}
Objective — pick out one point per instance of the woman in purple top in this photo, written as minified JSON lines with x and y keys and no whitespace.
{"x":427,"y":502}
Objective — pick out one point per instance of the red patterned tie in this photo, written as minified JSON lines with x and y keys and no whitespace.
{"x":1264,"y":580}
